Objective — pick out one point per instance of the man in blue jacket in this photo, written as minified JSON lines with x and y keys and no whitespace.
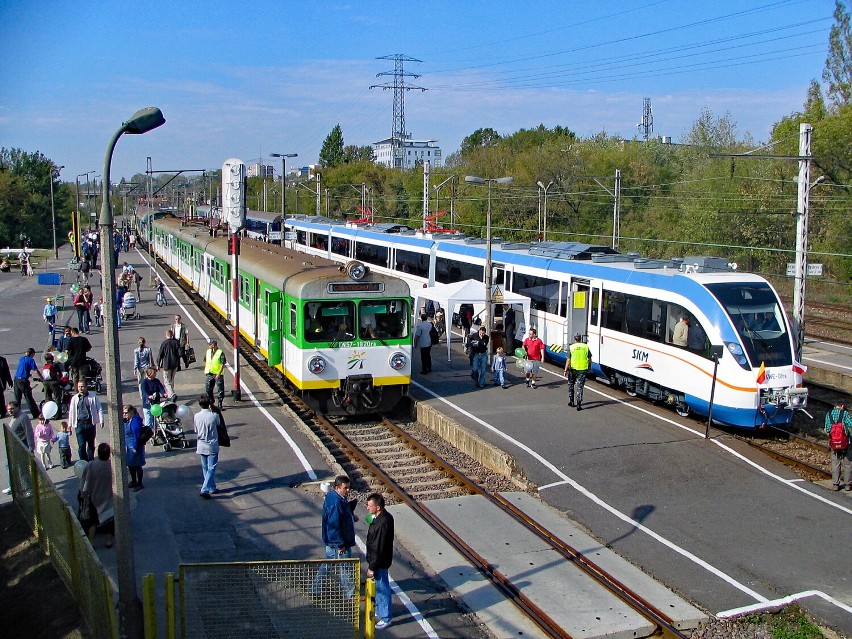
{"x":338,"y":532}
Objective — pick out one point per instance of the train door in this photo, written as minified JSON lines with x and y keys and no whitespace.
{"x":204,"y":276}
{"x":273,"y":326}
{"x":595,"y":319}
{"x":578,"y":309}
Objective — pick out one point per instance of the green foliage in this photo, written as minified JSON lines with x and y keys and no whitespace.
{"x":331,"y":153}
{"x":25,"y":180}
{"x":352,"y":153}
{"x":838,"y":65}
{"x":479,"y":139}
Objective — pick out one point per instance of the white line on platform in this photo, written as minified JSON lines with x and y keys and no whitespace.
{"x":820,"y":361}
{"x":780,"y":603}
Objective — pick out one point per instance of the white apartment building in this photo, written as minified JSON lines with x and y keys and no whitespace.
{"x":413,"y":151}
{"x":260,"y":170}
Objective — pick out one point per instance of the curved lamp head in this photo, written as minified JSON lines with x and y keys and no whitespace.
{"x":144,"y":120}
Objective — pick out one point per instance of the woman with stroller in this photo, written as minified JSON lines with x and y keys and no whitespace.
{"x":153,"y":392}
{"x":135,"y":449}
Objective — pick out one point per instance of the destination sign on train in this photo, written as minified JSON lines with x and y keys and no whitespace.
{"x":356,"y":287}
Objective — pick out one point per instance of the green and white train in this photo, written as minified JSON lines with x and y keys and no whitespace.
{"x":340,"y":334}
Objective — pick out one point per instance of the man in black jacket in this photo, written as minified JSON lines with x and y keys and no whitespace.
{"x":78,"y":346}
{"x":380,"y":556}
{"x":168,"y":359}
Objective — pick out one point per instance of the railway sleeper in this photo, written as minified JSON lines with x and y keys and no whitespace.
{"x":634,"y":386}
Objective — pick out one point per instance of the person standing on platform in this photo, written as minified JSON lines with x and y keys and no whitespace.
{"x":207,"y":446}
{"x":153,"y":391}
{"x":214,"y":372}
{"x":534,"y":348}
{"x":21,"y":427}
{"x":26,"y":365}
{"x":97,"y":481}
{"x":76,"y":365}
{"x":479,"y":352}
{"x":423,"y":340}
{"x":51,"y":373}
{"x":49,"y":314}
{"x":840,"y":458}
{"x":168,"y":360}
{"x":62,"y":344}
{"x":143,"y":359}
{"x":135,"y":455}
{"x":380,"y":556}
{"x":84,"y":414}
{"x":577,"y":366}
{"x":338,"y":533}
{"x":498,"y":367}
{"x":182,"y":336}
{"x":5,"y":383}
{"x":509,"y":327}
{"x":80,"y":307}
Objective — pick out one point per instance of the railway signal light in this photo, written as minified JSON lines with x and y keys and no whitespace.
{"x":233,"y":193}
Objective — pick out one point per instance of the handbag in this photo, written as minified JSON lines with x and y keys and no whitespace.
{"x":190,"y":355}
{"x":222,"y":434}
{"x":85,"y":508}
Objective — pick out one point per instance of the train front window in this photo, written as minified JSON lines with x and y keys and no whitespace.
{"x":759,"y":320}
{"x":329,"y":321}
{"x":383,"y":319}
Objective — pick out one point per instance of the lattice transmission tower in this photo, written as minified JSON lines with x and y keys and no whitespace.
{"x":646,"y":126}
{"x":399,"y":86}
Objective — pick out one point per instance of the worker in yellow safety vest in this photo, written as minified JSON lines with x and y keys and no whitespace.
{"x":214,"y":369}
{"x":577,"y":366}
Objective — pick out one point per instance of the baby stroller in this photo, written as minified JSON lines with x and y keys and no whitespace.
{"x":128,"y":307}
{"x":168,"y":432}
{"x":93,"y":378}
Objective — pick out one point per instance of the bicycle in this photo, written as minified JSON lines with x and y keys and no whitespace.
{"x":161,"y":297}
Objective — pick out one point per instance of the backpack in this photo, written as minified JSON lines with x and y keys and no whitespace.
{"x":433,"y":334}
{"x":837,"y":437}
{"x":145,"y":435}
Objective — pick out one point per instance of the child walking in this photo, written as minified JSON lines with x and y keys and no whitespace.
{"x":498,"y":367}
{"x":63,"y":441}
{"x":44,"y":437}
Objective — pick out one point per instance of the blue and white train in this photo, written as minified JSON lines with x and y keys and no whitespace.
{"x":626,"y":308}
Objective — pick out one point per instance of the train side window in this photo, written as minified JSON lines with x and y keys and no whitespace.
{"x":614,"y":310}
{"x":340,"y":247}
{"x":293,"y":319}
{"x":593,"y":316}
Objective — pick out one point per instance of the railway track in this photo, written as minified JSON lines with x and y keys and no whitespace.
{"x":382,"y":456}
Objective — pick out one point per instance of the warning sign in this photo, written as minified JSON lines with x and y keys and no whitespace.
{"x":497,"y":295}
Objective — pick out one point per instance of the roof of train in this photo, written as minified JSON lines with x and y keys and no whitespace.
{"x":267,"y":216}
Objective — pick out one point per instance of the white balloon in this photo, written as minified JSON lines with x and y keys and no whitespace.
{"x":325,"y":486}
{"x":183,"y":411}
{"x":49,"y":410}
{"x":61,"y":358}
{"x":79,"y":468}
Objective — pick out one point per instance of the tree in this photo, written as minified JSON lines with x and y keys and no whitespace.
{"x":331,"y":153}
{"x":838,"y":64}
{"x":479,"y":139}
{"x":353,"y":153}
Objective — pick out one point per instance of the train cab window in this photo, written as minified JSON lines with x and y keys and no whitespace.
{"x":329,"y":321}
{"x":385,"y":319}
{"x":759,"y":321}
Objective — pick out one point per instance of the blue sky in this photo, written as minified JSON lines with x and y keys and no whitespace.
{"x":244,"y":79}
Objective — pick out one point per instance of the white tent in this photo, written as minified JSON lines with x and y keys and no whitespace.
{"x":452,"y":296}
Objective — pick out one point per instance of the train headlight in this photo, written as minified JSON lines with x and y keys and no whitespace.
{"x":356,"y":270}
{"x":398,"y":361}
{"x":316,"y":365}
{"x":737,"y":351}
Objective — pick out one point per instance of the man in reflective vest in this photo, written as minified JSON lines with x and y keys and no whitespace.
{"x":577,"y":366}
{"x":214,"y":369}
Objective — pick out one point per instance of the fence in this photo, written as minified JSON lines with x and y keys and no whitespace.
{"x":62,"y":538}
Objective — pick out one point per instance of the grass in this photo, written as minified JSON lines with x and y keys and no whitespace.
{"x":790,"y":623}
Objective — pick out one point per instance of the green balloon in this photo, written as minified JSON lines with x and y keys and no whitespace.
{"x":369,"y":518}
{"x":156,"y":410}
{"x":520,"y":352}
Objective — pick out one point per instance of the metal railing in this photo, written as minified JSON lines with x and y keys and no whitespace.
{"x":62,"y":539}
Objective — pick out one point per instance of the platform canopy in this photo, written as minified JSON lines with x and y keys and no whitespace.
{"x":452,"y":296}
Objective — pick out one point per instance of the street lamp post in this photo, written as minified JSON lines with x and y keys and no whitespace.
{"x":129,"y":610}
{"x":545,"y":188}
{"x":78,"y":232}
{"x":284,"y":157}
{"x":54,"y":173}
{"x":488,"y":274}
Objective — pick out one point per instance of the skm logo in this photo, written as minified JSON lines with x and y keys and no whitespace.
{"x":356,"y":361}
{"x":640,"y":356}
